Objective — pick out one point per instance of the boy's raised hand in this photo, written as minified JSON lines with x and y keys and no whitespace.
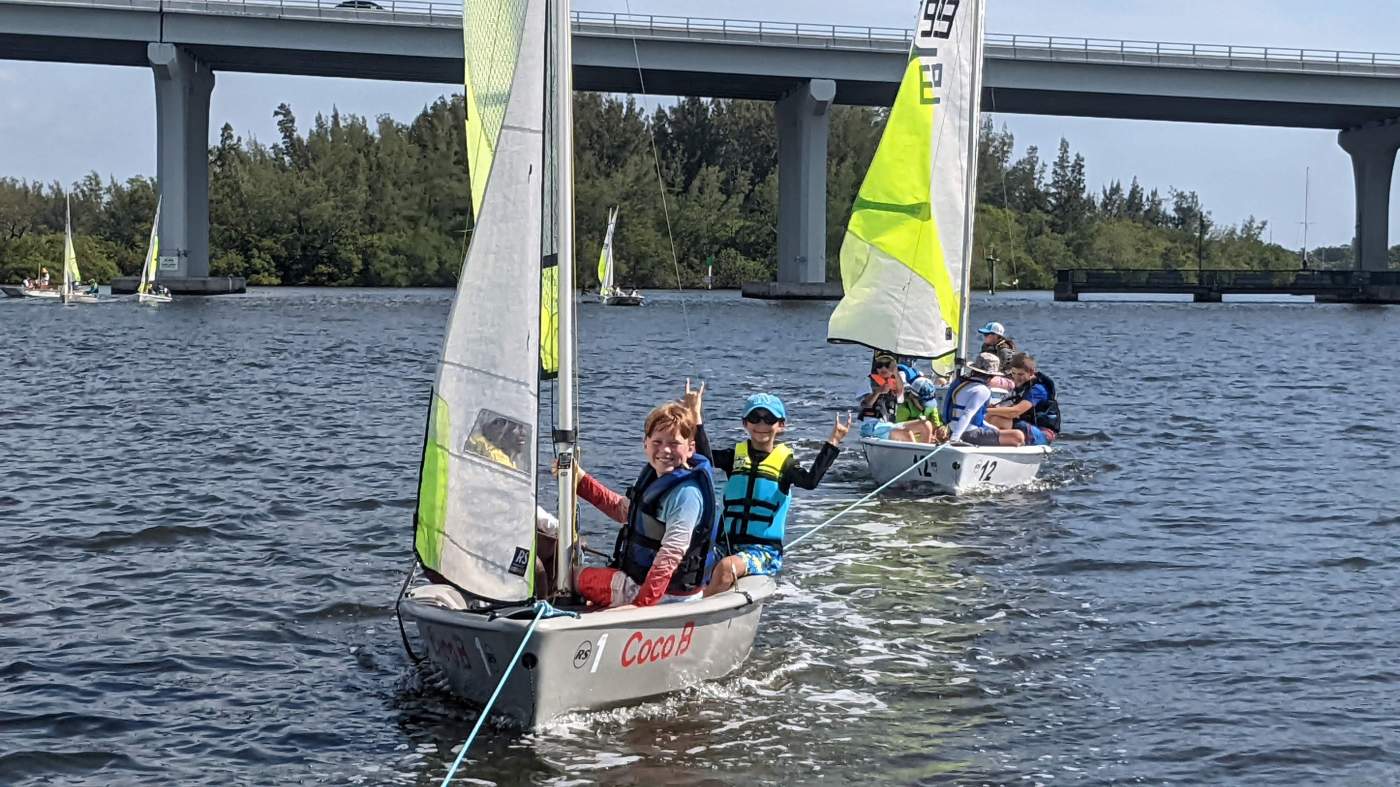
{"x":694,"y":400}
{"x":838,"y":432}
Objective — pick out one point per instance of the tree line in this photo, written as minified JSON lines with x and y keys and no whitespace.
{"x":350,"y":202}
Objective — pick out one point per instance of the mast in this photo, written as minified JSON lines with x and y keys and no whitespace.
{"x":1307,"y":182}
{"x":565,"y":435}
{"x":970,"y":199}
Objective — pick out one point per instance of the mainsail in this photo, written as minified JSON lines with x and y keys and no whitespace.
{"x":71,"y":276}
{"x":909,"y":240}
{"x":605,"y":258}
{"x":476,"y":501}
{"x":148,"y":269}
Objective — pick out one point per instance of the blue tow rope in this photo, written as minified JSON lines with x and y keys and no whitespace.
{"x":853,"y":506}
{"x":543,"y":609}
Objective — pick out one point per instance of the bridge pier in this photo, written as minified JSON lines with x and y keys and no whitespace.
{"x":183,"y":86}
{"x":803,"y":124}
{"x":1372,"y":148}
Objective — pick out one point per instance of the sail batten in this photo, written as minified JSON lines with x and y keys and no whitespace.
{"x":907,"y":245}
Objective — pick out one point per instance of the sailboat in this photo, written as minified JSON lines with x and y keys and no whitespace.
{"x":907,"y":253}
{"x":147,"y":291}
{"x":72,"y":278}
{"x":512,"y":322}
{"x":609,"y":295}
{"x":36,"y":287}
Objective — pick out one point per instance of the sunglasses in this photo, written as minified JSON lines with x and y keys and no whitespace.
{"x":761,"y":417}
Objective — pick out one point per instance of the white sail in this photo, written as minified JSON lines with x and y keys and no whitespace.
{"x":148,"y":268}
{"x":476,"y":506}
{"x":71,"y":275}
{"x":605,"y":259}
{"x":909,"y":241}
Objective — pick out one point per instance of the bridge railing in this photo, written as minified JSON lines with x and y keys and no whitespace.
{"x":1180,"y":54}
{"x":435,"y":13}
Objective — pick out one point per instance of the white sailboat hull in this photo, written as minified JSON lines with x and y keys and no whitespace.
{"x":82,"y":297}
{"x":147,"y":297}
{"x":601,"y":660}
{"x":27,"y":292}
{"x":622,"y":300}
{"x":954,"y":470}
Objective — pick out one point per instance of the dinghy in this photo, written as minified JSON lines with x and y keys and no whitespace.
{"x":147,"y":291}
{"x":608,"y":294}
{"x":907,"y":253}
{"x":26,"y":291}
{"x":511,"y":323}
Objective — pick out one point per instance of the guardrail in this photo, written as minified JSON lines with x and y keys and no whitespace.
{"x":435,"y":13}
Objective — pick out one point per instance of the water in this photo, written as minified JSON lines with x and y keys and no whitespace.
{"x":206,"y":516}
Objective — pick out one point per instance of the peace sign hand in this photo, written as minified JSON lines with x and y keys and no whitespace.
{"x":694,"y":400}
{"x":839,"y":430}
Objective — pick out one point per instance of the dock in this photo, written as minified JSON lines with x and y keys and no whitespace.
{"x":1209,"y":286}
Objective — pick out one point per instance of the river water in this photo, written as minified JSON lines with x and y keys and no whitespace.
{"x":206,"y":515}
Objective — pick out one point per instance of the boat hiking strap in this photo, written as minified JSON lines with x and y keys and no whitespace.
{"x":853,"y":506}
{"x":543,"y":609}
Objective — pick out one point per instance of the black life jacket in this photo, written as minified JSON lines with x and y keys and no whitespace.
{"x":638,"y":542}
{"x":1046,"y":414}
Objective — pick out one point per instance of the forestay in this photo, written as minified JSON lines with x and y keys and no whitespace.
{"x":476,"y":502}
{"x":908,"y":242}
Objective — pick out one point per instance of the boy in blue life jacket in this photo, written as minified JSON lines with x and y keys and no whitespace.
{"x":762,"y":472}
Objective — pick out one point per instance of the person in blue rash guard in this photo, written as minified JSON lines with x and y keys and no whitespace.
{"x":762,"y":472}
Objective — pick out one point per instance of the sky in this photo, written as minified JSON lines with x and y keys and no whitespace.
{"x":59,"y":121}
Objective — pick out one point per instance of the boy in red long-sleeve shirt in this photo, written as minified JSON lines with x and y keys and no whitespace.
{"x":664,"y":552}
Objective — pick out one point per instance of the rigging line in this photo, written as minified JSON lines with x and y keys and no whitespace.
{"x":661,"y":185}
{"x":543,"y":609}
{"x":853,"y":506}
{"x":1006,"y":205}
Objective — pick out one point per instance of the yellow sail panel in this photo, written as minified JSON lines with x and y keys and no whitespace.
{"x":904,"y":251}
{"x":148,"y":269}
{"x":491,"y":34}
{"x":71,"y":275}
{"x":549,"y":318}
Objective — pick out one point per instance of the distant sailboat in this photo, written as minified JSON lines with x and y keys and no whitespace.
{"x":608,"y":294}
{"x":907,"y":254}
{"x":72,"y":278}
{"x":147,"y":291}
{"x":476,"y":521}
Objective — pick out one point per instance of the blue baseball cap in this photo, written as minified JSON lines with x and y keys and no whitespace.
{"x":992,"y":327}
{"x":763,"y":401}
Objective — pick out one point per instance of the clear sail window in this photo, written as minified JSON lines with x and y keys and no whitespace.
{"x":502,"y":440}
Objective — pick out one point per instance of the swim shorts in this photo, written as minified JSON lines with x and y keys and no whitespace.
{"x":878,"y":429}
{"x":982,"y":435}
{"x":761,"y":559}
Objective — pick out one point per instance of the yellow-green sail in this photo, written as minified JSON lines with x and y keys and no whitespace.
{"x":71,"y":275}
{"x":909,"y":238}
{"x":148,"y":269}
{"x":605,"y":257}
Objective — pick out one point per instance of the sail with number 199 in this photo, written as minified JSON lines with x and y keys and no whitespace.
{"x":907,"y":246}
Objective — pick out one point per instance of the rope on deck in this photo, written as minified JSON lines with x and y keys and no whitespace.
{"x":543,"y":609}
{"x":853,"y":506}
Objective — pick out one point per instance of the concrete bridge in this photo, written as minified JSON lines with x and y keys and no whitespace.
{"x":803,"y":68}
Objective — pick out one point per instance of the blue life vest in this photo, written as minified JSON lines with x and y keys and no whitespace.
{"x":910,"y":373}
{"x":638,"y":542}
{"x":755,"y":506}
{"x":951,"y":413}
